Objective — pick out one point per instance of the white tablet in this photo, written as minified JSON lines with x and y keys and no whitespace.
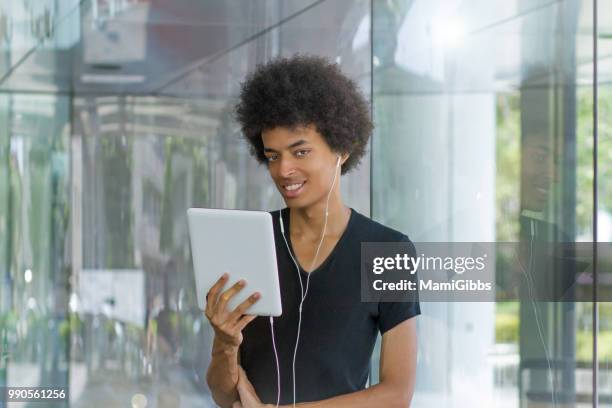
{"x":240,"y":243}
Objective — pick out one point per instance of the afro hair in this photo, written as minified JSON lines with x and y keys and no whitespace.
{"x":302,"y":91}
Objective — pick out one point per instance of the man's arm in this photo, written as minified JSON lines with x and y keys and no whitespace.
{"x":397,"y":374}
{"x":222,"y":374}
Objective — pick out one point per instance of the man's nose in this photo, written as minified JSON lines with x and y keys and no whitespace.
{"x":287,"y":167}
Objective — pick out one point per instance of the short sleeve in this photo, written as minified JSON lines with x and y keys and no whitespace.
{"x":390,"y":314}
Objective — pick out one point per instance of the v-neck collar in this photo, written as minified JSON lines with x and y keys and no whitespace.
{"x":287,"y":221}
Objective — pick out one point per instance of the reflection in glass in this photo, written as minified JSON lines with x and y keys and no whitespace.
{"x":97,"y":286}
{"x":34,"y":219}
{"x":480,"y":135}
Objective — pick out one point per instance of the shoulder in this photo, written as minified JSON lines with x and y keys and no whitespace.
{"x":374,"y":231}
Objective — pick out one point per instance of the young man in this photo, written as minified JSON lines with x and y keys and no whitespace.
{"x":309,"y":124}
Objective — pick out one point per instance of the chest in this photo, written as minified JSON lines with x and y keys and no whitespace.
{"x":306,"y":250}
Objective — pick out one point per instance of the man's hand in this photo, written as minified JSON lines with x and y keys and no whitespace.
{"x":222,"y":375}
{"x":228,"y":325}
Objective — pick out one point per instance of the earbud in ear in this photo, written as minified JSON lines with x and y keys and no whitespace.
{"x":338,"y":162}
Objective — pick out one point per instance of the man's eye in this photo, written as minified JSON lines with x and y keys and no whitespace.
{"x":301,"y":153}
{"x":272,"y":158}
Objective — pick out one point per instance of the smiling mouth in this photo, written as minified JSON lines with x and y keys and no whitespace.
{"x":292,"y":190}
{"x":293,"y":187}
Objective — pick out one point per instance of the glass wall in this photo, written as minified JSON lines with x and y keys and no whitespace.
{"x":101,"y":158}
{"x":116,"y":116}
{"x":485,"y":110}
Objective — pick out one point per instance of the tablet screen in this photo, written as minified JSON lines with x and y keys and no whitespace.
{"x":240,"y":243}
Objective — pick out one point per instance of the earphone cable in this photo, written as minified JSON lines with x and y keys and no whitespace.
{"x":530,"y":285}
{"x":278,"y":386}
{"x":297,"y":340}
{"x":302,"y":291}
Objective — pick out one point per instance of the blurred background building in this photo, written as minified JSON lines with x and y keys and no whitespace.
{"x":116,"y":116}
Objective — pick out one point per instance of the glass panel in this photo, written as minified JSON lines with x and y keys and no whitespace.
{"x":604,"y":210}
{"x":37,"y":41}
{"x":481,"y":135}
{"x":97,"y":283}
{"x":139,"y":164}
{"x":34,"y":246}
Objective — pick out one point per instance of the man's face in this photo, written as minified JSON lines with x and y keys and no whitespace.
{"x":301,"y":164}
{"x":537,"y":174}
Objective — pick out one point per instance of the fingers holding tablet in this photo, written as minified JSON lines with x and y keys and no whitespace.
{"x":228,"y":294}
{"x":211,"y":296}
{"x":242,"y":308}
{"x":228,"y":325}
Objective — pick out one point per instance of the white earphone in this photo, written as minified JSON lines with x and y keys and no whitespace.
{"x":303,"y":292}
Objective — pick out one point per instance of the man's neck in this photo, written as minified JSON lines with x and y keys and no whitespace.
{"x":307,"y":223}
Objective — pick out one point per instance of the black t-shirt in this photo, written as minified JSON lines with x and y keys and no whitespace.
{"x":338,"y":331}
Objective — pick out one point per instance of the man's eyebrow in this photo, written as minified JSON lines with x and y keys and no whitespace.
{"x":295,"y":144}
